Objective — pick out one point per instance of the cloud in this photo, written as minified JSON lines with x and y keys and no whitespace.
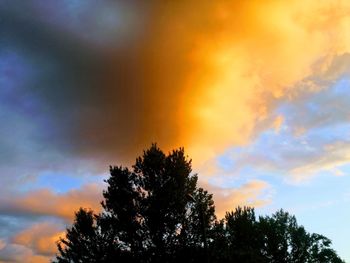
{"x":293,"y":159}
{"x":318,"y":126}
{"x":2,"y":244}
{"x":329,"y":159}
{"x":45,"y":202}
{"x":311,"y":140}
{"x":255,"y":58}
{"x":18,"y":254}
{"x":36,"y":243}
{"x":34,"y":220}
{"x":204,"y":81}
{"x":41,"y":238}
{"x":254,"y":193}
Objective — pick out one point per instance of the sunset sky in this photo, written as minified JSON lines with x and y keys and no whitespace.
{"x":257,"y":92}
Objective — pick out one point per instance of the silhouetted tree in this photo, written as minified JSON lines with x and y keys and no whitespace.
{"x":152,"y":213}
{"x":155,"y":212}
{"x":243,"y":241}
{"x":283,"y":240}
{"x":320,"y":252}
{"x":80,"y":244}
{"x":239,"y":237}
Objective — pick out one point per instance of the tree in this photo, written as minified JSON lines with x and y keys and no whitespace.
{"x":283,"y":240}
{"x":240,"y":237}
{"x":275,"y":236}
{"x":81,"y":239}
{"x":154,"y":212}
{"x":320,"y":251}
{"x":241,"y":228}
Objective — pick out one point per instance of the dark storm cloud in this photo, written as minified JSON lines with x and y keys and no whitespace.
{"x":63,"y":65}
{"x":86,"y":97}
{"x":95,"y":96}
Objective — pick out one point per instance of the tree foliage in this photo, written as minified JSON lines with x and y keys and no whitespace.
{"x":155,"y":212}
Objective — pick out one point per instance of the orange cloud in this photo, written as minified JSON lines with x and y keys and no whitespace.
{"x":277,"y":123}
{"x":206,"y":75}
{"x":45,"y":202}
{"x":41,"y":238}
{"x":248,"y":56}
{"x":254,"y":193}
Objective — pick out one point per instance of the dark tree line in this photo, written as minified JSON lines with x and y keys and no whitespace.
{"x":156,"y":213}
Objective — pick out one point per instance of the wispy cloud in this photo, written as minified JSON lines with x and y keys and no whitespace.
{"x":254,"y":193}
{"x":19,"y":253}
{"x":41,"y":238}
{"x":45,"y":202}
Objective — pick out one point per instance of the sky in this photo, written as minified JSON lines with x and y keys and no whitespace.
{"x":256,"y":91}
